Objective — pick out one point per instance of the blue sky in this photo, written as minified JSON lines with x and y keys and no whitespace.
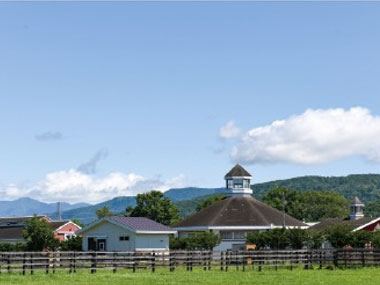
{"x":144,"y":88}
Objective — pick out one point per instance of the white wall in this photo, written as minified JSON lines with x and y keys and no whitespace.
{"x":136,"y":241}
{"x":152,"y":242}
{"x":112,"y":232}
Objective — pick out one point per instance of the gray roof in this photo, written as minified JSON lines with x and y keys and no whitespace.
{"x":17,"y":219}
{"x":139,"y":223}
{"x":13,"y":233}
{"x":237,"y":171}
{"x":357,"y":201}
{"x":354,"y":224}
{"x":239,"y":211}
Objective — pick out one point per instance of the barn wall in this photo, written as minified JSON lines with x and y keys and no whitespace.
{"x":112,"y":232}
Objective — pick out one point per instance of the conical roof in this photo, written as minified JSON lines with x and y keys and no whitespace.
{"x":356,"y":201}
{"x":237,"y":171}
{"x":239,"y":211}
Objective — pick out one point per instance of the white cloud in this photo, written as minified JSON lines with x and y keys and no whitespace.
{"x":75,"y":186}
{"x":229,"y":130}
{"x":316,"y":136}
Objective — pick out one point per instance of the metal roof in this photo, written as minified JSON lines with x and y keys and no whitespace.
{"x":139,"y":223}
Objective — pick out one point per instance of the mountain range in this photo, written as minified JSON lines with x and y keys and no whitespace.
{"x":365,"y":186}
{"x":27,"y":206}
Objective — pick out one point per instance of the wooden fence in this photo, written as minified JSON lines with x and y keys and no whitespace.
{"x":26,"y":262}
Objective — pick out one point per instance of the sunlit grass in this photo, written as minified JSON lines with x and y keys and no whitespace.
{"x":367,"y":276}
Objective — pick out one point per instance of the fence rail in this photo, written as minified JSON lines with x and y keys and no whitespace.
{"x":241,"y":260}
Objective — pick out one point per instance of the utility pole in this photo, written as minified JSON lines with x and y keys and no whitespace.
{"x":283,"y":210}
{"x":59,"y":213}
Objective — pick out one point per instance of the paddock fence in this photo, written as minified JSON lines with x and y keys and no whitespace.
{"x":50,"y":262}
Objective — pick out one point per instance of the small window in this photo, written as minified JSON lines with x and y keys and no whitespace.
{"x":124,"y":238}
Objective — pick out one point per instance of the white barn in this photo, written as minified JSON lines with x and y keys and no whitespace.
{"x":125,"y":234}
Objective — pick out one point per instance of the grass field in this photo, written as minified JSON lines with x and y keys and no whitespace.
{"x":367,"y":276}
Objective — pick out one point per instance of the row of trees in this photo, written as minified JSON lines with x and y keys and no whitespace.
{"x":338,"y":236}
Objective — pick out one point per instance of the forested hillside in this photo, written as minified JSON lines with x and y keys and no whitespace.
{"x":365,"y":186}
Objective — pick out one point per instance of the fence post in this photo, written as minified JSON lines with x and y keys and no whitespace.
{"x":31,"y":263}
{"x":114,"y":262}
{"x":335,"y":256}
{"x":227,"y":259}
{"x":53,"y":262}
{"x":221,"y":261}
{"x":209,"y":254}
{"x":204,"y":260}
{"x":47,"y":260}
{"x":75,"y":262}
{"x":23,"y":263}
{"x":171,"y":261}
{"x":320,"y":260}
{"x":9,"y":263}
{"x":134,"y":262}
{"x":154,"y":262}
{"x":363,"y":258}
{"x":70,"y":262}
{"x":93,"y":262}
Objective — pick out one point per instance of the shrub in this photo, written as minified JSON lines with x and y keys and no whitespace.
{"x":339,"y":236}
{"x":12,"y":247}
{"x":72,"y":244}
{"x":315,"y":239}
{"x":199,"y":241}
{"x":297,"y":238}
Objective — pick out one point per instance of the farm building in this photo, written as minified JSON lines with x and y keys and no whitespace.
{"x":234,"y":217}
{"x":126,"y":234}
{"x":11,"y":229}
{"x":356,"y":220}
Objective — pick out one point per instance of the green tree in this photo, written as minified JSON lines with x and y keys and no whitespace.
{"x":198,"y":241}
{"x":209,"y":201}
{"x":315,"y":239}
{"x":104,"y":212}
{"x":154,"y":205}
{"x":73,"y":244}
{"x":260,"y":239}
{"x":376,"y":239}
{"x":297,"y":238}
{"x":277,"y":238}
{"x":293,"y":207}
{"x":361,"y":238}
{"x":77,"y":222}
{"x":39,"y":235}
{"x":339,"y":235}
{"x":308,"y":205}
{"x":179,"y":243}
{"x":372,"y":209}
{"x":204,"y":240}
{"x":12,"y":247}
{"x":320,"y":205}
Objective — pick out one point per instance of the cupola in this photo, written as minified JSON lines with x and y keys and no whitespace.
{"x":238,"y":182}
{"x":356,"y":209}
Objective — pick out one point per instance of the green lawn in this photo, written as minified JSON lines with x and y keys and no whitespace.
{"x":366,"y":276}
